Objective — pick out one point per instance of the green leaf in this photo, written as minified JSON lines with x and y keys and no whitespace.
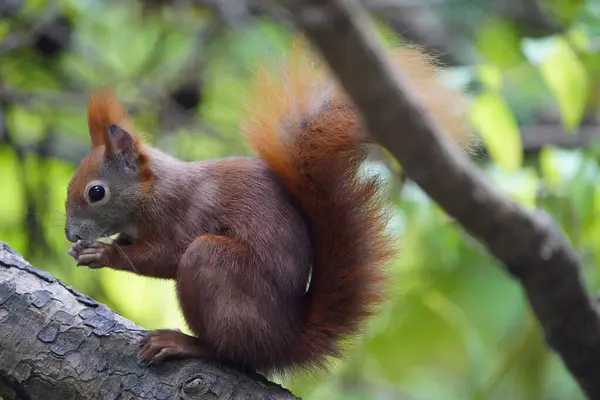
{"x":565,"y":12}
{"x":158,"y":308}
{"x":566,"y":77}
{"x":578,"y":37}
{"x":25,"y":124}
{"x":12,"y":208}
{"x":499,"y":43}
{"x":521,"y":185}
{"x":582,"y":196}
{"x":490,"y":76}
{"x":549,"y":167}
{"x":32,"y":7}
{"x":5,"y":29}
{"x":456,"y":317}
{"x":492,"y":118}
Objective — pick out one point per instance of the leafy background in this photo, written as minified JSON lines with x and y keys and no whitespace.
{"x":457,"y":326}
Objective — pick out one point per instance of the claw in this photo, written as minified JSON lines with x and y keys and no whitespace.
{"x":163,"y":344}
{"x":88,"y":254}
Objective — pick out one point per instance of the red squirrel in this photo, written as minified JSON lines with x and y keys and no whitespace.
{"x":276,"y":258}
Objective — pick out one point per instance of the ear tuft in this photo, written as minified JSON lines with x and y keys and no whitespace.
{"x":104,"y":110}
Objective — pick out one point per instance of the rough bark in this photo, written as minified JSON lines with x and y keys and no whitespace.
{"x":56,"y":343}
{"x":528,"y":243}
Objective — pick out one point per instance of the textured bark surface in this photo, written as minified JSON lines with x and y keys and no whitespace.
{"x":56,"y":343}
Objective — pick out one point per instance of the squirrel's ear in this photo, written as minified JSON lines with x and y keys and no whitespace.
{"x":122,"y":144}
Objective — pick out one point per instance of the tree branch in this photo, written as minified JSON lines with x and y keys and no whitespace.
{"x":56,"y":343}
{"x":529,"y":244}
{"x":535,"y":137}
{"x":420,"y":23}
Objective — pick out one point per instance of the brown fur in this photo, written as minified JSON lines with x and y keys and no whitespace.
{"x":242,"y":235}
{"x":85,"y":174}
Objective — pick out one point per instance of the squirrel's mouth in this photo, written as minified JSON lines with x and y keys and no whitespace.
{"x":120,"y":235}
{"x":122,"y":239}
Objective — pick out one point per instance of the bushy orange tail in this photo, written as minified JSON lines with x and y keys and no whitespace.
{"x":303,"y":126}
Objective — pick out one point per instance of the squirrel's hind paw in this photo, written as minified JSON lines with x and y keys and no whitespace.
{"x":163,"y":344}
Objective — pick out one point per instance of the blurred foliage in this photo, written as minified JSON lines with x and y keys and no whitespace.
{"x":457,"y":326}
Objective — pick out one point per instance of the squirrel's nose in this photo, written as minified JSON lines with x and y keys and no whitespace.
{"x":71,"y":237}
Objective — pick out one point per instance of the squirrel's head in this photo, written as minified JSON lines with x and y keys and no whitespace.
{"x":107,"y":188}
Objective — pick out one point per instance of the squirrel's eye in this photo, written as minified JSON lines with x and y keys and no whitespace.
{"x":96,"y":193}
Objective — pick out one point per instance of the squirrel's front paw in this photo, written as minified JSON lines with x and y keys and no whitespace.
{"x":92,"y":255}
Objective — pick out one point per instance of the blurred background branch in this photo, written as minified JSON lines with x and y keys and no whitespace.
{"x":529,"y":244}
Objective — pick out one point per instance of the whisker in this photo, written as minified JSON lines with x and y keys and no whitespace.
{"x":114,"y":243}
{"x":50,"y":219}
{"x":58,"y":211}
{"x":54,"y":217}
